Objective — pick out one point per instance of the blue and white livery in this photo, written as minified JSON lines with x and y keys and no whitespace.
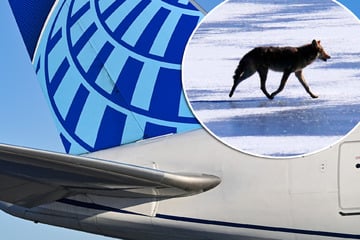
{"x":110,"y":70}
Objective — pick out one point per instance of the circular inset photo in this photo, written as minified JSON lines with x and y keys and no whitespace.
{"x":275,"y":78}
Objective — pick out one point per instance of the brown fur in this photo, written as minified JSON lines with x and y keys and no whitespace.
{"x":281,"y":59}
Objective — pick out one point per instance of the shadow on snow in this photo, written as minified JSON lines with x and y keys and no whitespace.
{"x":282,"y":117}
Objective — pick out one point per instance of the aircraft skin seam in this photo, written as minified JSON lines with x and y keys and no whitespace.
{"x":213,"y":222}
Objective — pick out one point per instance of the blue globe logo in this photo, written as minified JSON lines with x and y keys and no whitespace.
{"x":112,"y":70}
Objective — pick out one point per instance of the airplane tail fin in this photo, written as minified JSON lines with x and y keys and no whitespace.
{"x":110,"y":70}
{"x":30,"y":26}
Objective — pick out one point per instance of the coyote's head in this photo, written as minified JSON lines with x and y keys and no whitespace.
{"x":321,"y":52}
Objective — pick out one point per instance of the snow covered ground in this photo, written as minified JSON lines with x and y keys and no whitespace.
{"x":293,"y":123}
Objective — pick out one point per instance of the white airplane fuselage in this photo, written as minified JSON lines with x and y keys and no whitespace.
{"x":307,"y":197}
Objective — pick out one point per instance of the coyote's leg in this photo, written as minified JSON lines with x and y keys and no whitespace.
{"x":263,"y":71}
{"x":282,"y":84}
{"x":301,"y":78}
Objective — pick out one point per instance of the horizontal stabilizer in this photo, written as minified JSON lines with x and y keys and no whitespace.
{"x":30,"y":177}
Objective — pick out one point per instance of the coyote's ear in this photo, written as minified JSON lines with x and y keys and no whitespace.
{"x":315,"y":43}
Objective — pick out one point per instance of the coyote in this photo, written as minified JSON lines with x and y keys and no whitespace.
{"x":281,"y":59}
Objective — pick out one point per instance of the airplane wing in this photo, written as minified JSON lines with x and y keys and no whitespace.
{"x":30,"y":177}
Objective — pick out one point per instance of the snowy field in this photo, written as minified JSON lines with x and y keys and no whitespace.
{"x":293,"y":123}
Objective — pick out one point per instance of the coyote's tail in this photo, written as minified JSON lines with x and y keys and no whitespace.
{"x":238,"y":71}
{"x":237,"y":74}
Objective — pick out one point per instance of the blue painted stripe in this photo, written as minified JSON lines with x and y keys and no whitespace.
{"x":167,"y":93}
{"x":79,"y":13}
{"x":63,"y":101}
{"x":258,"y":227}
{"x":138,"y":26}
{"x":164,"y":34}
{"x":77,"y":29}
{"x":117,"y":14}
{"x":105,"y":4}
{"x":99,"y":61}
{"x":126,"y":83}
{"x":84,"y":39}
{"x":111,"y":129}
{"x":127,"y":14}
{"x":54,"y":40}
{"x":153,"y":130}
{"x":112,"y":8}
{"x":58,"y":77}
{"x":148,"y":36}
{"x":38,"y":65}
{"x":145,"y":86}
{"x":66,"y":143}
{"x":95,"y":206}
{"x":90,"y":119}
{"x":73,"y":115}
{"x":76,"y":5}
{"x":114,"y":64}
{"x":216,"y":223}
{"x":180,"y":37}
{"x":129,"y":19}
